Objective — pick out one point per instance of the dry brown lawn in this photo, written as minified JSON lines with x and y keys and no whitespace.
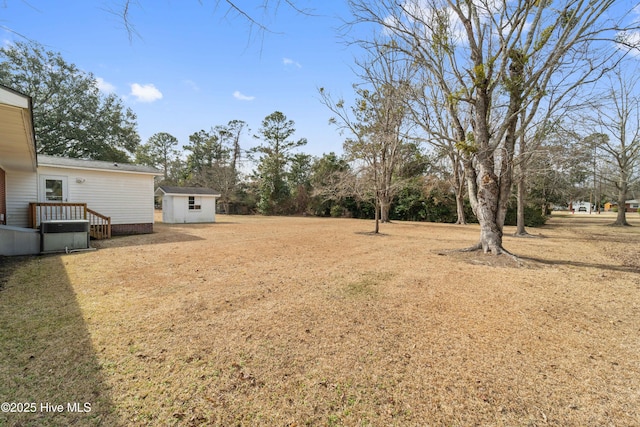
{"x":309,"y":321}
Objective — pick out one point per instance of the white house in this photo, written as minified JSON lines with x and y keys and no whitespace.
{"x":632,"y":205}
{"x":123,"y":192}
{"x":580,"y":206}
{"x":187,"y":204}
{"x":115,"y":198}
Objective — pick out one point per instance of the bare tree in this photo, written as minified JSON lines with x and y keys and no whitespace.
{"x":246,"y":12}
{"x":430,"y":111}
{"x":377,"y":123}
{"x":359,"y":147}
{"x":499,"y":59}
{"x":230,"y":135}
{"x":617,"y":121}
{"x":529,"y":142}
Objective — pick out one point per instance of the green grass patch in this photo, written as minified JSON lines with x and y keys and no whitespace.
{"x":48,"y":368}
{"x":367,"y":284}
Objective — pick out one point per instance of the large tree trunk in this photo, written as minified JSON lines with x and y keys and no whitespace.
{"x":521,"y":182}
{"x":520,"y":229}
{"x":494,"y":184}
{"x":385,"y":205}
{"x":490,"y":188}
{"x":487,"y":195}
{"x":621,"y":219}
{"x":386,"y":191}
{"x":462,"y":219}
{"x":377,"y":215}
{"x":384,"y":201}
{"x":459,"y":179}
{"x":488,"y":211}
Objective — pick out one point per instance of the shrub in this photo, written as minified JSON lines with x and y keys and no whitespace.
{"x":532,"y":216}
{"x":411,"y":204}
{"x":336,"y":211}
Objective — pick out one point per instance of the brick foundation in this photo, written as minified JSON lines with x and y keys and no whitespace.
{"x":127,"y":229}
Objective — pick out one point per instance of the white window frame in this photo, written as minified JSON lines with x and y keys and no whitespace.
{"x":194,"y":204}
{"x":43,"y":188}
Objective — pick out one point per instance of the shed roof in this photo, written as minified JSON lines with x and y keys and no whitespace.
{"x":65,"y":162}
{"x":187,"y":191}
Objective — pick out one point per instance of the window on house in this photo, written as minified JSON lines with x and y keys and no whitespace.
{"x":192,"y":203}
{"x":53,"y":190}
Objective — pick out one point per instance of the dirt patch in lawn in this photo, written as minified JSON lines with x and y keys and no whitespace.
{"x":308,"y":321}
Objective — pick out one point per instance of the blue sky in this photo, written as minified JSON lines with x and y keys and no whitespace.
{"x":193,"y":66}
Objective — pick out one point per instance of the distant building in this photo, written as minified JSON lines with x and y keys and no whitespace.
{"x":629,"y":206}
{"x":182,"y":205}
{"x":580,"y":207}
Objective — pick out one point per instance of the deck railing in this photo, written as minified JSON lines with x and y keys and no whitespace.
{"x":99,"y":225}
{"x":39,"y":212}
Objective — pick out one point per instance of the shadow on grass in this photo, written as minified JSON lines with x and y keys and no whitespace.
{"x":623,"y":268}
{"x":162,"y":234}
{"x":371,"y":233}
{"x":48,"y":367}
{"x":201,"y":225}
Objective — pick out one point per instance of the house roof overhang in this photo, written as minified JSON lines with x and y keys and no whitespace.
{"x":84,"y":164}
{"x":17,"y":136}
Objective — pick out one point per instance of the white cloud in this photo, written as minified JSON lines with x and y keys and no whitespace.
{"x":420,"y":16}
{"x":104,"y":86}
{"x":192,"y":85}
{"x":390,"y":23}
{"x":630,"y":42}
{"x":238,"y":95}
{"x":145,"y":93}
{"x":289,"y":61}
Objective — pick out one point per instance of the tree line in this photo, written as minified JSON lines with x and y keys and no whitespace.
{"x":489,"y":84}
{"x":494,"y":111}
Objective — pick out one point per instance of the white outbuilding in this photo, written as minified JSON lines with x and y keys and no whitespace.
{"x":186,"y":205}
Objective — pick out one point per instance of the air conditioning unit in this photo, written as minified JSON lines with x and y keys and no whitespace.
{"x":64,"y":235}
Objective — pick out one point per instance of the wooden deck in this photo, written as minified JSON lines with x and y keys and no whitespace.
{"x":99,"y":225}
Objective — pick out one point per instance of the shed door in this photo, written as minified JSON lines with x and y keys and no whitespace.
{"x":54,"y":189}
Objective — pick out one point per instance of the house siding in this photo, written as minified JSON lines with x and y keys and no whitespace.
{"x":125,"y":197}
{"x":3,"y":197}
{"x":21,"y":189}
